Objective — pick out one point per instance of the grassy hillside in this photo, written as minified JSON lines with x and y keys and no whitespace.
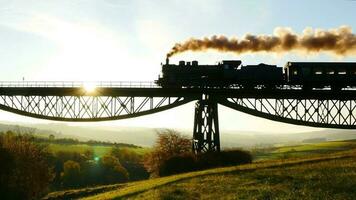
{"x":329,"y":175}
{"x":303,"y":150}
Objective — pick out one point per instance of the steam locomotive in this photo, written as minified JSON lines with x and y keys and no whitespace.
{"x":230,"y":73}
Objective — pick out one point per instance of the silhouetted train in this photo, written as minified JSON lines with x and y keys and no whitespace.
{"x":335,"y":75}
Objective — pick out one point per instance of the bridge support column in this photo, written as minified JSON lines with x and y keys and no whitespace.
{"x":206,"y":126}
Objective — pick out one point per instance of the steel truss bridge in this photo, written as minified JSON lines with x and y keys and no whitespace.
{"x":70,"y":101}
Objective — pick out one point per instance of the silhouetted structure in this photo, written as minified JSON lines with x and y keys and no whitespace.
{"x":260,"y":90}
{"x":229,"y":73}
{"x":206,"y":136}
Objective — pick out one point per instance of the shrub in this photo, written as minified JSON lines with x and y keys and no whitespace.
{"x":189,"y":162}
{"x":223,"y":158}
{"x":169,"y":144}
{"x":178,"y":164}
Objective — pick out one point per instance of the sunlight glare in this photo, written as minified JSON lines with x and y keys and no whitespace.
{"x":89,"y":86}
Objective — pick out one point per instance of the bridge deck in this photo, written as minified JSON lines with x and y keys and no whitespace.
{"x":78,"y":84}
{"x":180,"y":92}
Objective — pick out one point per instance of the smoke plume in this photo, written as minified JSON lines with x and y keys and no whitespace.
{"x":339,"y":41}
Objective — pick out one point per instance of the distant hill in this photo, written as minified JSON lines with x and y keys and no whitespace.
{"x":258,"y":139}
{"x":23,"y":128}
{"x":142,"y":136}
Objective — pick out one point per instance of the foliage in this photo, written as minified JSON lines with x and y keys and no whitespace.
{"x":189,"y":162}
{"x":172,"y":154}
{"x":27,"y":172}
{"x":223,"y":158}
{"x":131,"y":161}
{"x":72,"y":141}
{"x":71,"y":174}
{"x":125,"y":154}
{"x":78,"y":170}
{"x":169,"y":143}
{"x":113,"y":172}
{"x":31,"y":166}
{"x":178,"y":164}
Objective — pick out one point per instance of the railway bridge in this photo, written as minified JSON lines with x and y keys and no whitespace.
{"x":72,"y":101}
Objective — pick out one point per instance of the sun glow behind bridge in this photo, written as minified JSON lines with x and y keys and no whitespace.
{"x":89,"y":87}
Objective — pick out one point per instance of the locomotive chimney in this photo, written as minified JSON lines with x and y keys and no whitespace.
{"x":167,"y":61}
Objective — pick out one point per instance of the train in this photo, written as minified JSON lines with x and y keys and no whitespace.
{"x":231,"y":73}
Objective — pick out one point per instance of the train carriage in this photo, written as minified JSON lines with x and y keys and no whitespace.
{"x":335,"y":75}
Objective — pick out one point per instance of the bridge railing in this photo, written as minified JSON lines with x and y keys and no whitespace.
{"x":120,"y":84}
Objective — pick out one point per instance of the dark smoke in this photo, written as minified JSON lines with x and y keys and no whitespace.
{"x":340,"y":41}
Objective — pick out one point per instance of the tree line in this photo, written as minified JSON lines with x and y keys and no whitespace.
{"x":53,"y":140}
{"x":29,"y":170}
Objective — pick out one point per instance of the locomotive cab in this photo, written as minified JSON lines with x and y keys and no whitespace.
{"x":230,"y":64}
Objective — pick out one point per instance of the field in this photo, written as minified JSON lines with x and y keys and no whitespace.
{"x":320,"y":175}
{"x":283,"y":152}
{"x":99,"y":150}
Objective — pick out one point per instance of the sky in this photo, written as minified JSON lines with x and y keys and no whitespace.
{"x":126,"y":40}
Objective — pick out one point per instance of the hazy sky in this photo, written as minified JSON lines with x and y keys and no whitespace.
{"x":127,"y":40}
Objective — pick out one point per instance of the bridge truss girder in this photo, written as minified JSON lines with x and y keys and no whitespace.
{"x":308,"y":112}
{"x":318,"y":108}
{"x":87,"y":108}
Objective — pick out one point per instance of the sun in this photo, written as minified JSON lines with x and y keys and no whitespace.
{"x":89,"y":87}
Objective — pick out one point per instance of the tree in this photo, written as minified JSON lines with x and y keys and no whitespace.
{"x":60,"y":158}
{"x":125,"y":155}
{"x":131,"y":161}
{"x":7,"y":163}
{"x":71,"y":176}
{"x":169,"y":143}
{"x":30,"y":173}
{"x":51,"y":137}
{"x":113,"y":172}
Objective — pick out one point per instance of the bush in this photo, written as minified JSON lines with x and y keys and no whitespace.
{"x":169,"y":144}
{"x":223,"y":158}
{"x":178,"y":164}
{"x":189,"y":162}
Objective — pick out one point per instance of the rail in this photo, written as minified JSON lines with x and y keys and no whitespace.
{"x":69,"y":84}
{"x":124,"y":84}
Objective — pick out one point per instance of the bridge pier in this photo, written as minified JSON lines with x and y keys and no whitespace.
{"x":206,"y":136}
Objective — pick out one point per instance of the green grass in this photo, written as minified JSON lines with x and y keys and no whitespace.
{"x":75,"y":193}
{"x":313,"y":174}
{"x":335,"y":145}
{"x":80,"y":148}
{"x":329,"y":179}
{"x":262,"y":180}
{"x":97,"y":149}
{"x":304,"y":150}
